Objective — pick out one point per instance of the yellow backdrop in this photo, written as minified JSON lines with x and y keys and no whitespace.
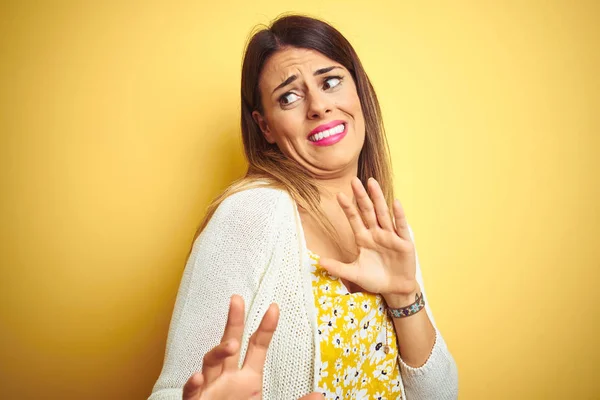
{"x":119,"y":122}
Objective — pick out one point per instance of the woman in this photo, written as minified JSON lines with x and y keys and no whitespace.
{"x":301,"y":230}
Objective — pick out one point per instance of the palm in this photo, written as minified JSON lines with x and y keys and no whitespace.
{"x":386,"y":263}
{"x":243,"y":383}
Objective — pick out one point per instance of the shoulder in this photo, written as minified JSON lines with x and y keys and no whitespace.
{"x":254,"y":201}
{"x":254,"y":196}
{"x":251,"y":210}
{"x":246,"y":219}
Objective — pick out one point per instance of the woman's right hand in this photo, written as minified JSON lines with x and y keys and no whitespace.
{"x":221,"y":379}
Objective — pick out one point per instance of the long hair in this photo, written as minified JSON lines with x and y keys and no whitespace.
{"x":265,"y":161}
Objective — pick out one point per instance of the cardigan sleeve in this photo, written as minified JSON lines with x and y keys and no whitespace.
{"x":229,"y":257}
{"x":438,"y":377}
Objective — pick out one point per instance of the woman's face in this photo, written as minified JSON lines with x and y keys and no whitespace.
{"x":312,"y":111}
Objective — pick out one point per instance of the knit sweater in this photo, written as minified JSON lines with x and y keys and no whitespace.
{"x":254,"y":246}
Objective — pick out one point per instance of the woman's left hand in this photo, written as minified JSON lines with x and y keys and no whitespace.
{"x":386,"y":263}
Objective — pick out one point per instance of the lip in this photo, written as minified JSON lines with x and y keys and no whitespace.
{"x":326,"y":126}
{"x":333,"y":139}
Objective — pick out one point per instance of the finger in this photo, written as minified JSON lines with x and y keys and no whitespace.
{"x":339,"y":269}
{"x":234,"y":329}
{"x":381,"y":208}
{"x":367,"y":210}
{"x":313,"y":396}
{"x":213,"y":362}
{"x":356,"y":222}
{"x":400,"y":220}
{"x":260,"y":340}
{"x":193,"y":387}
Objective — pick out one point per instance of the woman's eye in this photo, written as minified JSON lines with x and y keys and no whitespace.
{"x":288,"y":98}
{"x":332,"y":82}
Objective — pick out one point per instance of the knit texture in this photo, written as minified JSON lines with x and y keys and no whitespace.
{"x":254,"y":246}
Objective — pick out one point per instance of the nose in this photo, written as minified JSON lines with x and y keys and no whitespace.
{"x":319,"y":105}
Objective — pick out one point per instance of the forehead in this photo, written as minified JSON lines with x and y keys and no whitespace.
{"x":293,"y":61}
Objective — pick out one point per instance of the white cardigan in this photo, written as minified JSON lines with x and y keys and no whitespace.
{"x":254,"y":246}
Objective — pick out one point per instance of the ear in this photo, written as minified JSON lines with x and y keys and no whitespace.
{"x":262,"y":123}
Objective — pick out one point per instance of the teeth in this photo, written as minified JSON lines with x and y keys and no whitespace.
{"x":325,"y":134}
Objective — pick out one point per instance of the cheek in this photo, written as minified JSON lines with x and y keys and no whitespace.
{"x":291,"y":122}
{"x":349,"y":101}
{"x":356,"y":104}
{"x":351,"y":104}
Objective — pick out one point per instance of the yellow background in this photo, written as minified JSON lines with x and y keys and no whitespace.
{"x":119,"y":122}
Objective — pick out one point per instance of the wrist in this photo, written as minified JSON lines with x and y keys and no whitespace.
{"x":400,"y":300}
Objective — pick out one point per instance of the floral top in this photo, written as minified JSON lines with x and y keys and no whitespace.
{"x":356,"y":362}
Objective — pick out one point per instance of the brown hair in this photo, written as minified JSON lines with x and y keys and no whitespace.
{"x":266,"y":161}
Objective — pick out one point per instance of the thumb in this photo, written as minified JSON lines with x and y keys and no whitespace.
{"x":193,"y":387}
{"x":339,"y":269}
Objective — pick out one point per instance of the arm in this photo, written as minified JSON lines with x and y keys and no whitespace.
{"x":227,"y":258}
{"x":387,"y":264}
{"x":427,"y":367}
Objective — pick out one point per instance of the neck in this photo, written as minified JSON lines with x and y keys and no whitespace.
{"x":332,"y":186}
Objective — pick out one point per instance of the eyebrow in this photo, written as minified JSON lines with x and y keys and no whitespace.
{"x":294,"y":77}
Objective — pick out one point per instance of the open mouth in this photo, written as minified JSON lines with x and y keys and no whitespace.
{"x":321,"y":136}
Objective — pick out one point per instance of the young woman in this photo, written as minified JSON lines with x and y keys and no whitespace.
{"x":315,"y":228}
